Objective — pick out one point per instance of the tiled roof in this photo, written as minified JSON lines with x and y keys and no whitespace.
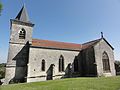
{"x":65,"y":45}
{"x":90,"y":43}
{"x":55,"y":44}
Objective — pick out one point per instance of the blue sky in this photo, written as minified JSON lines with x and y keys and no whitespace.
{"x":74,"y":21}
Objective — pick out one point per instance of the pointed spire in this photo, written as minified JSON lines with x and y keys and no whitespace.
{"x":101,"y":34}
{"x":22,"y":15}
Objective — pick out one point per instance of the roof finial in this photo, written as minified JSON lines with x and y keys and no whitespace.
{"x":24,"y":4}
{"x":101,"y":34}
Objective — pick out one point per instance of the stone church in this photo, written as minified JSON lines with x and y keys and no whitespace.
{"x":31,"y":60}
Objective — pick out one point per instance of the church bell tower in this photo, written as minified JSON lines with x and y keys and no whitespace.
{"x":20,"y":39}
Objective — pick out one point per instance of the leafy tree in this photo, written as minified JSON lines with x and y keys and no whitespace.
{"x":117,"y":67}
{"x":117,"y":62}
{"x":2,"y":70}
{"x":1,"y":7}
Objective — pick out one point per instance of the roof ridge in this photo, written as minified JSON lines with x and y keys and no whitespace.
{"x":56,"y":45}
{"x":91,"y":41}
{"x":57,"y":41}
{"x":63,"y":45}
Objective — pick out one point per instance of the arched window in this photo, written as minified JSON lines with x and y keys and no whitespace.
{"x":61,"y":64}
{"x":22,"y":34}
{"x":106,"y":65}
{"x":43,"y":65}
{"x":76,"y":64}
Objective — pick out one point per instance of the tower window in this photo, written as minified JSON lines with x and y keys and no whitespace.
{"x":61,"y":64}
{"x":43,"y":65}
{"x":22,"y":34}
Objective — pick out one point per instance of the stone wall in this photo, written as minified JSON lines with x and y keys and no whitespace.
{"x":99,"y":49}
{"x":16,"y":26}
{"x":51,"y":56}
{"x":16,"y":68}
{"x":88,"y":62}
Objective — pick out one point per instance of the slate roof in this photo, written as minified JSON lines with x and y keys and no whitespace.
{"x":23,"y":15}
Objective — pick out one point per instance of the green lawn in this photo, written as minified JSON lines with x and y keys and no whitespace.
{"x":102,"y":83}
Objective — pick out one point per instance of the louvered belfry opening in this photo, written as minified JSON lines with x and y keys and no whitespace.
{"x":22,"y":34}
